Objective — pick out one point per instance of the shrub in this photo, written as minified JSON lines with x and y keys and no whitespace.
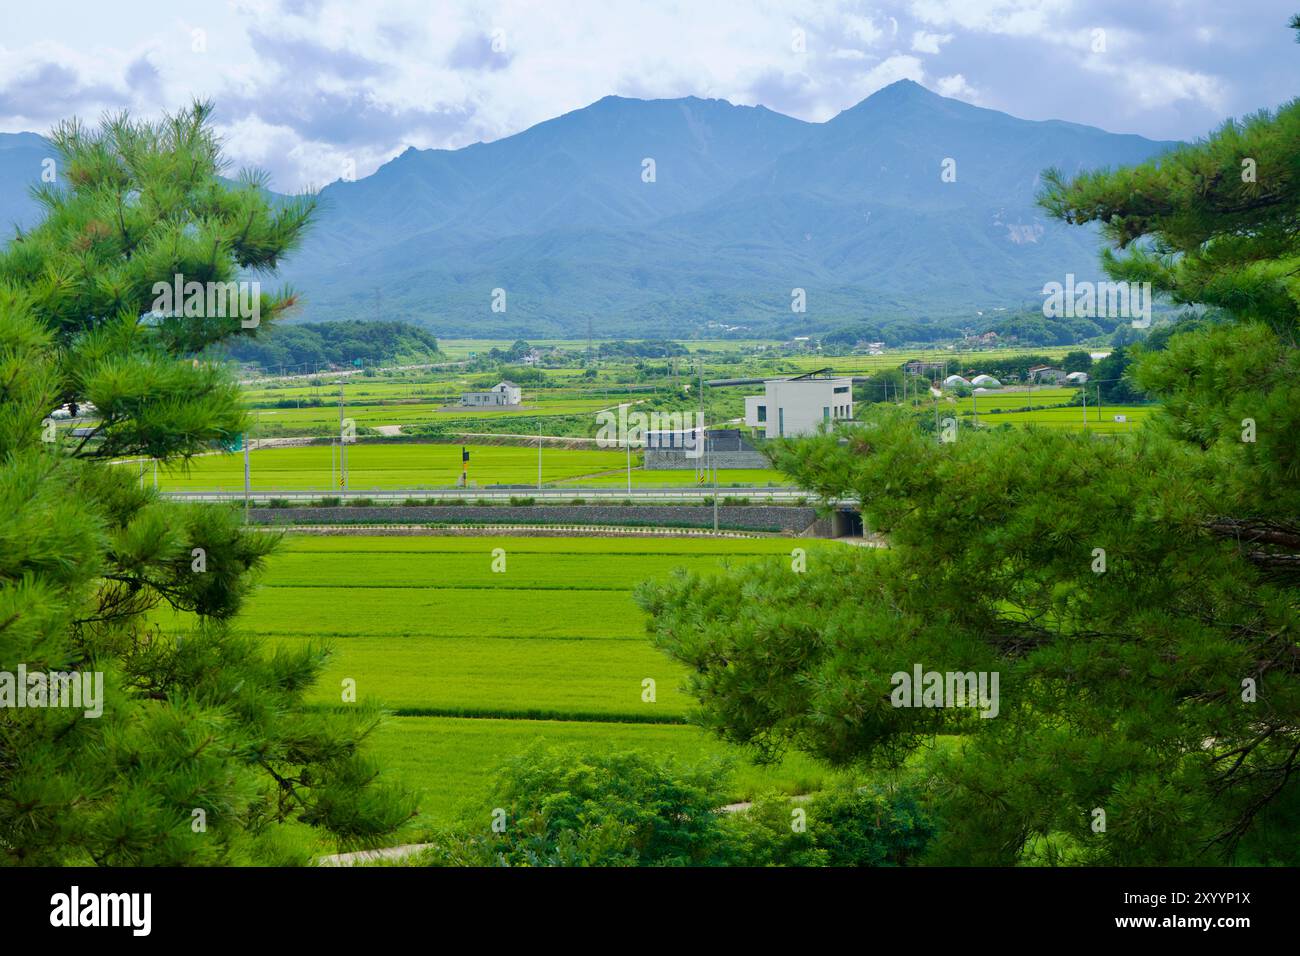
{"x":331,"y":502}
{"x":846,"y":825}
{"x":570,"y":808}
{"x":361,"y":503}
{"x":522,"y":502}
{"x":278,"y":503}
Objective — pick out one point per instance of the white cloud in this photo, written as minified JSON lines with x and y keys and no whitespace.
{"x":1013,"y":17}
{"x":923,"y":42}
{"x":956,"y":87}
{"x":302,"y":84}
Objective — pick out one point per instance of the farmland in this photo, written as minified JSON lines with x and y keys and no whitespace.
{"x":1101,"y":420}
{"x":385,"y":466}
{"x":422,"y":466}
{"x":475,"y":663}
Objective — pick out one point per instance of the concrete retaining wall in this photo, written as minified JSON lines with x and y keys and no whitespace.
{"x":672,"y":460}
{"x":773,"y":518}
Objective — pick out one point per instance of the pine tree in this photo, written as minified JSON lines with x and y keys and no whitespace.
{"x":1136,"y":594}
{"x":204,"y":752}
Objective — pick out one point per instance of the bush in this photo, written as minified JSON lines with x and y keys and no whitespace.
{"x":361,"y":503}
{"x":522,"y":502}
{"x":279,"y":503}
{"x":735,"y":501}
{"x":568,"y":808}
{"x":578,"y":501}
{"x":846,"y":825}
{"x":869,"y":826}
{"x":330,"y":502}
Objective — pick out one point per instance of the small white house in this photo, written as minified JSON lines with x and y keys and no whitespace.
{"x":502,"y":394}
{"x":796,"y":406}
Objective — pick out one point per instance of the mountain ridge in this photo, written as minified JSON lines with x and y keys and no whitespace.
{"x":744,"y":206}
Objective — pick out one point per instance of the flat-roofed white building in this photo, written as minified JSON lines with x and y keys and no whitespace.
{"x":502,"y":393}
{"x":796,"y":406}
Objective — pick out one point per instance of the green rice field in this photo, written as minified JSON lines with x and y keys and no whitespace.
{"x":474,"y":664}
{"x":422,"y":466}
{"x":1101,"y":420}
{"x":311,"y":467}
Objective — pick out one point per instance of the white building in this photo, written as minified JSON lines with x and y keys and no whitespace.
{"x":796,"y":406}
{"x":501,"y":394}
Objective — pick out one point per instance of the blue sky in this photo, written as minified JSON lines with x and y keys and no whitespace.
{"x":313,"y":90}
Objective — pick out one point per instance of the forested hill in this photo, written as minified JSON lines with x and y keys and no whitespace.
{"x":340,"y":343}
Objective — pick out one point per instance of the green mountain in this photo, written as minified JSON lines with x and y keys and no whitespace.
{"x":746,"y":205}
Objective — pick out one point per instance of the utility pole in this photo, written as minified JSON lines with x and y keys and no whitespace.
{"x":247,"y":478}
{"x":343,"y":448}
{"x":700,"y":420}
{"x":709,"y":445}
{"x":1085,"y":406}
{"x":539,"y":454}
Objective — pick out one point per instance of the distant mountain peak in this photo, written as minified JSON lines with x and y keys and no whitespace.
{"x":662,"y":215}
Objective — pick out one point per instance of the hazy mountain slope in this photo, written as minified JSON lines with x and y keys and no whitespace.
{"x":746,"y":205}
{"x":21,"y":155}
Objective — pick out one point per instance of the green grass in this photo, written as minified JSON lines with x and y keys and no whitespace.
{"x":541,"y":570}
{"x":411,"y":465}
{"x":602,"y":547}
{"x":380,"y":466}
{"x":506,"y":677}
{"x":422,"y":413}
{"x":1099,"y":420}
{"x":450,"y":761}
{"x":1004,"y":399}
{"x":477,"y":664}
{"x":471,"y":613}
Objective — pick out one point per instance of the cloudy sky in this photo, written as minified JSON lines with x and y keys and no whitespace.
{"x":312,"y":90}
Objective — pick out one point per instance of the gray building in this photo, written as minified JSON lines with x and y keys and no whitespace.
{"x":688,"y":449}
